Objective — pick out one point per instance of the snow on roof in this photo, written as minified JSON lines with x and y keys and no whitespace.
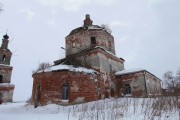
{"x":105,"y":50}
{"x":5,"y":65}
{"x":6,"y":85}
{"x":70,"y":68}
{"x":123,"y":72}
{"x":94,"y":27}
{"x":91,"y":27}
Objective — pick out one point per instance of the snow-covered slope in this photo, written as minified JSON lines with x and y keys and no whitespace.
{"x":108,"y":109}
{"x":22,"y":111}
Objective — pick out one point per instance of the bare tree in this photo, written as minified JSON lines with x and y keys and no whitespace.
{"x":107,"y":28}
{"x":42,"y":67}
{"x":177,"y":78}
{"x":177,"y":81}
{"x":169,"y":80}
{"x":172,"y":82}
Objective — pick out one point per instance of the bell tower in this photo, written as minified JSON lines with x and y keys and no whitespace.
{"x":6,"y":88}
{"x":5,"y":53}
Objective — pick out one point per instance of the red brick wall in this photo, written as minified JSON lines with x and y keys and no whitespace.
{"x":80,"y":85}
{"x":6,"y":72}
{"x":82,"y":40}
{"x":8,"y":90}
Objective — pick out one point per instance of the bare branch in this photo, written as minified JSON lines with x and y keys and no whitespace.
{"x":42,"y":67}
{"x":172,"y":82}
{"x":107,"y":28}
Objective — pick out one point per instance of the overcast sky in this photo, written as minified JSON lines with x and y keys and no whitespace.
{"x":146,"y":33}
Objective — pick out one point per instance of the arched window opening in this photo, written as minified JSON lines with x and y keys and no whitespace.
{"x":1,"y":79}
{"x":93,"y":40}
{"x":4,"y":58}
{"x":65,"y":89}
{"x":112,"y":92}
{"x":106,"y":94}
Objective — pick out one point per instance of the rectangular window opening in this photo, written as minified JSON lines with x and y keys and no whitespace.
{"x":93,"y":40}
{"x":1,"y":79}
{"x":127,"y":89}
{"x":110,"y":68}
{"x":109,"y":43}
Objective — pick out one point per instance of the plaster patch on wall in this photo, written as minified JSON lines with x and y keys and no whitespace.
{"x":79,"y":100}
{"x":75,"y":86}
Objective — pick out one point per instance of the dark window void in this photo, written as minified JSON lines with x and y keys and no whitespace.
{"x":110,"y":68}
{"x":4,"y":57}
{"x":109,"y":43}
{"x":112,"y":93}
{"x":106,"y":94}
{"x":93,"y":40}
{"x":1,"y":79}
{"x":127,"y":89}
{"x":65,"y":91}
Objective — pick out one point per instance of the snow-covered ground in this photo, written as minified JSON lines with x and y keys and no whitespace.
{"x":22,"y":111}
{"x":109,"y":109}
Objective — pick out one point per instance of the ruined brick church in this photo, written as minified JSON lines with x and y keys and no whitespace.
{"x":90,"y":71}
{"x":6,"y":88}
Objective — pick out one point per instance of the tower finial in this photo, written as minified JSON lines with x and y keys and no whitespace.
{"x":6,"y":36}
{"x":87,"y":16}
{"x":87,"y":21}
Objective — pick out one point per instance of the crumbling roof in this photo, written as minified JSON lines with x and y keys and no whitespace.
{"x":123,"y":72}
{"x":71,"y":58}
{"x":104,"y":50}
{"x":76,"y":30}
{"x":95,"y":27}
{"x":126,"y":72}
{"x":91,"y":27}
{"x":68,"y":68}
{"x":64,"y":60}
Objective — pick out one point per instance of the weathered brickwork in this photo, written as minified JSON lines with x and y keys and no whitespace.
{"x":81,"y":38}
{"x":90,"y":47}
{"x":6,"y":89}
{"x":6,"y":72}
{"x":99,"y":59}
{"x":7,"y":55}
{"x":82,"y":87}
{"x":6,"y":92}
{"x":81,"y":41}
{"x":142,"y":84}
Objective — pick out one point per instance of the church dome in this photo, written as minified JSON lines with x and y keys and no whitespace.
{"x":6,"y":36}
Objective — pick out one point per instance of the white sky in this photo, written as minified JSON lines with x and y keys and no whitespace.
{"x":146,"y":33}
